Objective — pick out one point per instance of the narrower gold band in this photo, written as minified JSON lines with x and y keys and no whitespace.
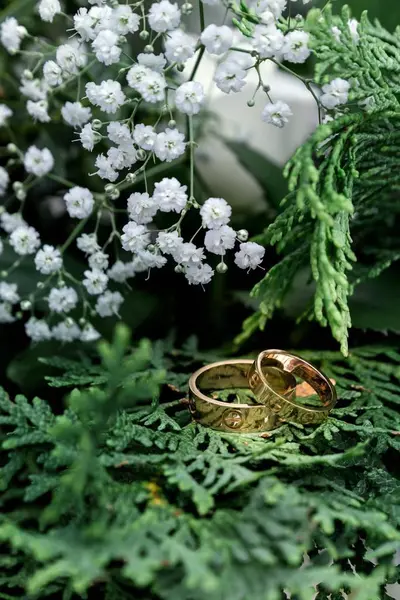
{"x":286,"y":408}
{"x":232,"y":417}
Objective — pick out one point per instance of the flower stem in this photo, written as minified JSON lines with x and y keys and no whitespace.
{"x":191,"y":145}
{"x":74,"y":234}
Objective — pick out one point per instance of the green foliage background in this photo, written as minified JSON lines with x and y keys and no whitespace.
{"x":122,"y":495}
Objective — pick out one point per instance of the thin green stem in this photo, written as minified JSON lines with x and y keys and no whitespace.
{"x":59,"y":179}
{"x":197,"y":63}
{"x":304,"y":81}
{"x":191,"y":145}
{"x":202,"y":17}
{"x":73,"y":235}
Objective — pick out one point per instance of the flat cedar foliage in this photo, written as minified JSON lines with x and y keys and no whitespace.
{"x":120,"y":495}
{"x":340,"y":218}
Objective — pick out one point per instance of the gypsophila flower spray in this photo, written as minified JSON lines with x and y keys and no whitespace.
{"x":90,"y":83}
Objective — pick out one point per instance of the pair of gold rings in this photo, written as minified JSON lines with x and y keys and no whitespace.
{"x":272,"y":379}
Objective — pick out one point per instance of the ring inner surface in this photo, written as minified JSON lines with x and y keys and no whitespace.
{"x":223,"y":377}
{"x":305,"y":372}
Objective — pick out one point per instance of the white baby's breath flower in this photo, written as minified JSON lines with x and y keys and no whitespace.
{"x":335,"y":93}
{"x":48,"y":9}
{"x":38,"y":162}
{"x":105,"y":168}
{"x":62,"y":299}
{"x":144,"y":136}
{"x":276,"y":7}
{"x":120,"y":134}
{"x":70,"y":58}
{"x":215,"y":213}
{"x":88,"y":137}
{"x":136,"y":74}
{"x":353,"y":28}
{"x":249,"y":256}
{"x":169,"y":242}
{"x":38,"y":110}
{"x":179,"y":46}
{"x":95,"y":282}
{"x":108,"y":304}
{"x":66,"y":331}
{"x":98,"y":260}
{"x":135,"y":237}
{"x":11,"y":221}
{"x":124,"y":20}
{"x":5,"y":113}
{"x":84,"y":24}
{"x":105,"y":47}
{"x":79,"y":202}
{"x":295,"y":47}
{"x":108,"y":95}
{"x":199,"y":274}
{"x":218,"y":241}
{"x":169,"y":145}
{"x":189,"y":97}
{"x":155,"y":62}
{"x":34,"y":89}
{"x":9,"y":292}
{"x":89,"y":334}
{"x":48,"y":260}
{"x":120,"y":271}
{"x":122,"y":158}
{"x":152,"y":87}
{"x":6,"y":315}
{"x":12,"y":34}
{"x":87,"y":243}
{"x":267,"y":40}
{"x":164,"y":16}
{"x":151,"y":260}
{"x":217,"y":40}
{"x":25,"y":240}
{"x":276,"y":114}
{"x":37,"y":330}
{"x":4,"y":181}
{"x":142,"y":208}
{"x":170,"y":195}
{"x":75,"y":114}
{"x":188,"y":254}
{"x":230,"y":76}
{"x":52,"y":73}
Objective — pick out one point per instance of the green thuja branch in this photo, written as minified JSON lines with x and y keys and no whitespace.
{"x":121,"y":495}
{"x":339,"y":218}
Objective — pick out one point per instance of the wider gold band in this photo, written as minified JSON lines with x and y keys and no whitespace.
{"x":232,"y":417}
{"x":286,"y":408}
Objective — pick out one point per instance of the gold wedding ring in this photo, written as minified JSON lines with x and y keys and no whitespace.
{"x":284,"y":407}
{"x":233,"y":417}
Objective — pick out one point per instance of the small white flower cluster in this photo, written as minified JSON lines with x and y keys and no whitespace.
{"x":108,"y":89}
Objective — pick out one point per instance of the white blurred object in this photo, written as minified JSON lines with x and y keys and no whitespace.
{"x":237,"y":122}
